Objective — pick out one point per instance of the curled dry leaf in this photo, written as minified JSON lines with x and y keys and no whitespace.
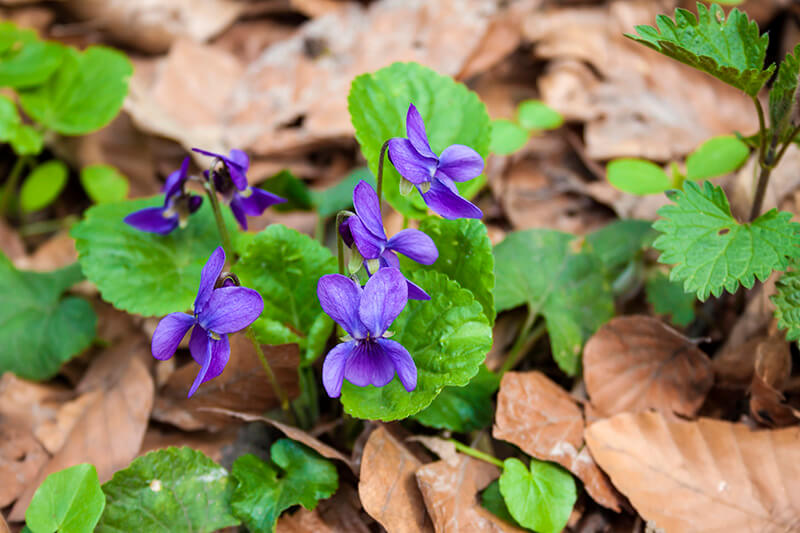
{"x":444,"y":448}
{"x":773,"y":367}
{"x":545,"y":422}
{"x":3,"y":525}
{"x":635,"y":363}
{"x":10,"y":242}
{"x":387,"y":487}
{"x":706,"y":475}
{"x":338,"y":514}
{"x":21,"y":458}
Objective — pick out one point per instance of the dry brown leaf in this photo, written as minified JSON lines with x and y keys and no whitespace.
{"x":706,"y":475}
{"x":57,"y":252}
{"x":733,"y":367}
{"x":444,"y":448}
{"x":773,"y":368}
{"x":21,"y":458}
{"x":783,"y":181}
{"x":27,"y":404}
{"x":52,"y":433}
{"x":316,"y":8}
{"x":241,"y":386}
{"x":211,"y":444}
{"x":451,"y":496}
{"x":339,"y":514}
{"x":302,"y":521}
{"x":387,"y":486}
{"x":3,"y":525}
{"x":635,"y":363}
{"x":544,"y":421}
{"x":10,"y":242}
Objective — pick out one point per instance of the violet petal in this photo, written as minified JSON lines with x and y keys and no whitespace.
{"x":415,"y":292}
{"x":369,"y":365}
{"x":208,"y":278}
{"x":415,"y":129}
{"x":238,"y":212}
{"x":448,"y":204}
{"x":415,"y":245}
{"x":344,"y":231}
{"x":403,"y":363}
{"x":175,"y":180}
{"x":258,"y":201}
{"x":169,"y":333}
{"x":333,"y":368}
{"x":409,"y":163}
{"x":367,"y":243}
{"x":339,"y":297}
{"x":460,"y":163}
{"x":152,"y":220}
{"x":220,"y":351}
{"x":384,"y":297}
{"x":368,"y":208}
{"x":231,"y":309}
{"x":201,"y":352}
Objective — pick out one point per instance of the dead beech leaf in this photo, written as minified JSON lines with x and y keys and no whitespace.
{"x":57,"y":252}
{"x":635,"y":363}
{"x":387,"y":487}
{"x":444,"y":448}
{"x":21,"y":458}
{"x":3,"y":525}
{"x":211,"y":444}
{"x":705,"y":475}
{"x":27,"y":404}
{"x":733,"y":367}
{"x":302,"y":521}
{"x":545,"y":422}
{"x":10,"y":242}
{"x":338,"y":514}
{"x":773,"y":368}
{"x":53,"y":433}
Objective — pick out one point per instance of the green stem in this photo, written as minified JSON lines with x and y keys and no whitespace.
{"x":12,"y":181}
{"x":48,"y":226}
{"x":477,"y":454}
{"x":211,"y":192}
{"x":405,"y":222}
{"x":524,"y":341}
{"x":282,"y":396}
{"x":340,"y":216}
{"x":380,"y":172}
{"x":783,"y":149}
{"x":762,"y":128}
{"x":319,"y":229}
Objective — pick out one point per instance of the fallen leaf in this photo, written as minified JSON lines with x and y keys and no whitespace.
{"x":10,"y":242}
{"x":211,"y":444}
{"x":57,"y":252}
{"x":21,"y":458}
{"x":635,"y":363}
{"x":706,"y":475}
{"x":444,"y":448}
{"x":302,"y":521}
{"x":387,"y":486}
{"x":3,"y":525}
{"x":734,"y":367}
{"x":27,"y":404}
{"x":338,"y":514}
{"x":52,"y":433}
{"x":773,"y":368}
{"x":545,"y":422}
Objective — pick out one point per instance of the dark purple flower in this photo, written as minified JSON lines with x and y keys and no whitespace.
{"x":367,"y":357}
{"x":435,"y":176}
{"x":217,"y":312}
{"x":236,"y":164}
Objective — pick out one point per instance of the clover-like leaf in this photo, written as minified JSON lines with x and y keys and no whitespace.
{"x":787,"y":302}
{"x":298,"y":475}
{"x":40,"y":330}
{"x":668,"y":298}
{"x":69,"y":501}
{"x":637,"y":176}
{"x":555,"y":277}
{"x":730,"y":49}
{"x":536,"y":115}
{"x":43,"y":185}
{"x":145,"y":273}
{"x":340,"y":196}
{"x":712,"y":251}
{"x":176,"y":490}
{"x":540,"y":498}
{"x":104,"y":184}
{"x":716,"y":157}
{"x":378,"y":103}
{"x":26,"y":61}
{"x":448,"y":337}
{"x":507,"y":137}
{"x":783,"y":94}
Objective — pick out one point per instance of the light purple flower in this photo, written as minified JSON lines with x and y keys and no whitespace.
{"x":217,"y":312}
{"x":435,"y":176}
{"x":367,"y":357}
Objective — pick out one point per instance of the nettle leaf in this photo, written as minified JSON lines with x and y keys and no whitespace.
{"x":43,"y":185}
{"x":637,"y":176}
{"x":465,"y":256}
{"x":378,"y":103}
{"x":69,"y":500}
{"x":540,"y":498}
{"x":783,"y":94}
{"x":287,"y":185}
{"x":104,"y":184}
{"x":507,"y":137}
{"x":566,"y":284}
{"x":145,"y":273}
{"x":716,"y":157}
{"x":284,"y":266}
{"x":26,"y":61}
{"x":787,"y":302}
{"x":463,"y":409}
{"x":263,"y":491}
{"x":536,"y":115}
{"x":712,"y":251}
{"x":731,"y":50}
{"x":173,"y":490}
{"x":448,"y":337}
{"x":84,"y":94}
{"x":668,"y":298}
{"x":333,"y":199}
{"x":40,"y":330}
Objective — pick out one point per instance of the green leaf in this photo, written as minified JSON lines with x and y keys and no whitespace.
{"x":287,"y":185}
{"x":69,"y":501}
{"x":731,"y":49}
{"x":787,"y":302}
{"x":465,"y":256}
{"x":620,"y":242}
{"x":545,"y":270}
{"x":174,"y":490}
{"x":712,"y":251}
{"x":27,"y":140}
{"x":40,"y":330}
{"x":668,"y":298}
{"x":448,"y":337}
{"x":716,"y":157}
{"x":298,"y":475}
{"x":84,"y":95}
{"x":783,"y":95}
{"x":43,"y":185}
{"x":145,"y":273}
{"x":104,"y":184}
{"x":378,"y":103}
{"x":637,"y":176}
{"x":9,"y":118}
{"x":536,"y":115}
{"x":333,"y":199}
{"x":507,"y":137}
{"x":492,"y":500}
{"x":463,"y":409}
{"x":540,"y":498}
{"x":25,"y":61}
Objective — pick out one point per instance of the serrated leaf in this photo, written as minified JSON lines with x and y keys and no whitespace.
{"x":333,"y":199}
{"x":26,"y":61}
{"x":549,"y":272}
{"x":40,"y":330}
{"x":263,"y":491}
{"x":463,"y":409}
{"x":104,"y":184}
{"x":174,"y":490}
{"x":84,"y":94}
{"x":43,"y":185}
{"x":145,"y":273}
{"x":287,"y":185}
{"x":68,"y":501}
{"x":378,"y":103}
{"x":712,"y":251}
{"x":536,"y":115}
{"x":448,"y":337}
{"x":637,"y":176}
{"x":668,"y":298}
{"x":787,"y":302}
{"x":783,"y":94}
{"x":540,"y":498}
{"x":507,"y":137}
{"x":716,"y":157}
{"x":731,"y":50}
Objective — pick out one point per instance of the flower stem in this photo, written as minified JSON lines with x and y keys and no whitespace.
{"x":380,"y":172}
{"x":524,"y":341}
{"x":282,"y":396}
{"x":211,"y":192}
{"x":477,"y":454}
{"x":12,"y":181}
{"x":340,"y":216}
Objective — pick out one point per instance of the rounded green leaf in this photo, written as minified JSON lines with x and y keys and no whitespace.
{"x":176,"y":490}
{"x":9,"y":118}
{"x":448,"y":337}
{"x":378,"y":103}
{"x":536,"y":115}
{"x":540,"y":498}
{"x":637,"y":176}
{"x":68,"y":501}
{"x":340,"y":196}
{"x":507,"y":137}
{"x":668,"y":298}
{"x":27,"y":140}
{"x":145,"y":273}
{"x":104,"y":184}
{"x":293,"y":189}
{"x":716,"y":157}
{"x":26,"y":61}
{"x":43,"y":185}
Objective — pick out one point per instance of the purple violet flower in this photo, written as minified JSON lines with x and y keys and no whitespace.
{"x":217,"y":312}
{"x":435,"y":176}
{"x":367,"y":357}
{"x":178,"y":205}
{"x":365,"y":230}
{"x":232,"y":185}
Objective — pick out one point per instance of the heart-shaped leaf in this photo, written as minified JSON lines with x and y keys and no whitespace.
{"x":69,"y":500}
